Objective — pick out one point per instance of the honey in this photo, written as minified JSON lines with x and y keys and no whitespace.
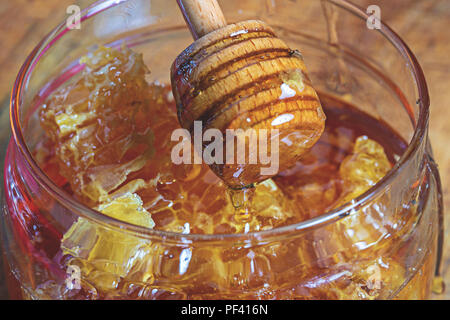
{"x":108,"y":143}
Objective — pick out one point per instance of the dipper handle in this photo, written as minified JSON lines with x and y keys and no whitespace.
{"x":202,"y":16}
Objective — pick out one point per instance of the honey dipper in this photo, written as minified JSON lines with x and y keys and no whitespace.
{"x":242,"y":76}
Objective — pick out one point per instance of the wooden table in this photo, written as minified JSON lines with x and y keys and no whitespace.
{"x":423,"y":24}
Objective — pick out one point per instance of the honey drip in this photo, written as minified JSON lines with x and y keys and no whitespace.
{"x":242,"y":203}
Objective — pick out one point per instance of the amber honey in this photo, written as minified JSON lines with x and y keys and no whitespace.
{"x":107,"y":143}
{"x":110,"y":142}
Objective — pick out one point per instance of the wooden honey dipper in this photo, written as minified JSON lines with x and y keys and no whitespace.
{"x":242,"y":76}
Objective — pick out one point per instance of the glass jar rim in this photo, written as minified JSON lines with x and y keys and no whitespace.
{"x":324,"y":219}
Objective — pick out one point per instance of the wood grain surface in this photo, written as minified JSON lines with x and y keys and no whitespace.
{"x":423,"y":24}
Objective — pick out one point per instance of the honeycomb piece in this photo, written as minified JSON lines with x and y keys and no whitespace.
{"x":363,"y":169}
{"x":365,"y":229}
{"x":361,"y":235}
{"x":205,"y":206}
{"x":104,"y":255}
{"x":100,"y":124}
{"x":362,"y":280}
{"x":128,"y":208}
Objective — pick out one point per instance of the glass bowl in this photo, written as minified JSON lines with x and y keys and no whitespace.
{"x":395,"y":254}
